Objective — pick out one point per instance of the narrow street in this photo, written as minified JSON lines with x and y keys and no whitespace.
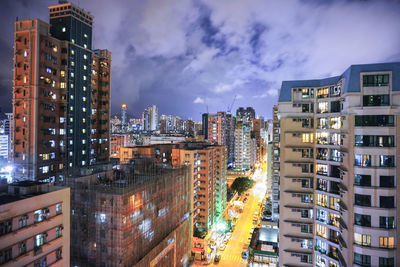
{"x":240,"y":239}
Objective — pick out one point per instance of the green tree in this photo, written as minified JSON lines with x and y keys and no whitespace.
{"x":242,"y":184}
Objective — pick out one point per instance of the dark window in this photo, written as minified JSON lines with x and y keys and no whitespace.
{"x":386,"y":222}
{"x":5,"y":255}
{"x":386,"y":161}
{"x":375,"y":100}
{"x":360,"y":259}
{"x":335,"y":106}
{"x":5,"y":227}
{"x":386,"y":181}
{"x":307,"y":168}
{"x":362,"y":200}
{"x":386,"y":262}
{"x":305,"y":108}
{"x":374,"y":141}
{"x":362,"y":180}
{"x":363,"y":220}
{"x":386,"y":202}
{"x":376,"y":80}
{"x":335,"y":171}
{"x":304,"y":214}
{"x":374,"y":120}
{"x":305,"y":183}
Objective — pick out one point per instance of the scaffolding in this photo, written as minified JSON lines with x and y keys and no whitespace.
{"x":121,"y":216}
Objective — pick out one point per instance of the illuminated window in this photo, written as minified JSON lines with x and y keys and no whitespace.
{"x":83,"y":130}
{"x":84,"y":56}
{"x":70,"y":164}
{"x":84,"y":99}
{"x":85,"y":35}
{"x":71,"y":119}
{"x":72,"y":74}
{"x":84,"y":88}
{"x":84,"y":109}
{"x":53,"y":84}
{"x":307,"y":138}
{"x":85,"y":46}
{"x":362,"y":240}
{"x":62,"y":73}
{"x":84,"y":78}
{"x":25,"y":53}
{"x":63,"y":29}
{"x":71,"y":142}
{"x":71,"y":96}
{"x":83,"y":152}
{"x":63,"y":85}
{"x":84,"y":67}
{"x":72,"y":52}
{"x":71,"y":108}
{"x":322,"y":200}
{"x":72,"y":63}
{"x":83,"y":120}
{"x":323,"y":107}
{"x":335,"y":122}
{"x":83,"y":141}
{"x":73,"y":41}
{"x":55,"y":48}
{"x":24,"y":79}
{"x":70,"y":153}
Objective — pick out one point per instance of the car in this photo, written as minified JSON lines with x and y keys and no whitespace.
{"x":217,"y":258}
{"x":245,"y":200}
{"x":222,"y":247}
{"x":245,"y":254}
{"x":247,"y":194}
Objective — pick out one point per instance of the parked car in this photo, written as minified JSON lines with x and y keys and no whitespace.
{"x":245,"y":200}
{"x":217,"y":258}
{"x":245,"y":254}
{"x":222,"y":247}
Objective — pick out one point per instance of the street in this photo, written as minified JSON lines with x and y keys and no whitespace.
{"x":239,"y":241}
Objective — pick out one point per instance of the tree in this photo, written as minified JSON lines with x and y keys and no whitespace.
{"x":242,"y":184}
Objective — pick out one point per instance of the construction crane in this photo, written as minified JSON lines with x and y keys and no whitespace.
{"x":231,"y":106}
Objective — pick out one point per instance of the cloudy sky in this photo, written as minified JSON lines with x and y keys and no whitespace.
{"x":189,"y":56}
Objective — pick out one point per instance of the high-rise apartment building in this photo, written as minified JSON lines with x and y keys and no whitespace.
{"x":221,"y":130}
{"x":61,"y":95}
{"x":339,"y":157}
{"x":100,"y":115}
{"x":243,"y":145}
{"x":34,"y":225}
{"x":208,"y":163}
{"x":275,"y":168}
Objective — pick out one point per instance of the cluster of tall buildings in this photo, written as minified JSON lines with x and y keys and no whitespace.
{"x":66,"y":204}
{"x":336,"y":157}
{"x":243,"y":136}
{"x":61,"y":95}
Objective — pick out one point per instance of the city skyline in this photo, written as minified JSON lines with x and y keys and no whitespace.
{"x":214,"y":51}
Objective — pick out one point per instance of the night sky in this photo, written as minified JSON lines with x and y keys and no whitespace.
{"x":185,"y":56}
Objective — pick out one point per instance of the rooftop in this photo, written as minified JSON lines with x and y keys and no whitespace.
{"x":351,"y":78}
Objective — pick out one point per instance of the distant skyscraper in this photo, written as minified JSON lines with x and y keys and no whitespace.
{"x":145,"y":120}
{"x":153,"y":118}
{"x":243,"y":145}
{"x":123,"y":114}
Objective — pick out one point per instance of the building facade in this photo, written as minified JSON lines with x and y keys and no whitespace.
{"x":275,"y":164}
{"x":339,"y":202}
{"x":34,"y":225}
{"x":60,"y":122}
{"x":138,"y":215}
{"x":243,"y":146}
